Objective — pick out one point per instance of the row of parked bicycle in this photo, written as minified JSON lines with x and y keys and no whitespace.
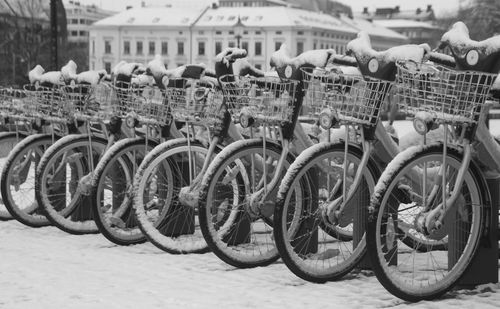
{"x":254,"y":166}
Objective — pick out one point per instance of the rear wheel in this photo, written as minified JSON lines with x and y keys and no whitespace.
{"x":423,"y":268}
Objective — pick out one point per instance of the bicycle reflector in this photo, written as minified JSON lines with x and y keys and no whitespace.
{"x":200,"y":93}
{"x":328,"y":118}
{"x":424,"y":122}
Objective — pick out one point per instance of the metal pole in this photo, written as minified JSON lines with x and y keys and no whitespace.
{"x":53,"y":34}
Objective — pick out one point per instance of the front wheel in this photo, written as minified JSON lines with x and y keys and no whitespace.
{"x":235,"y":221}
{"x":112,"y":191}
{"x":410,"y":261}
{"x":63,"y":182}
{"x":7,"y":142}
{"x":312,"y":248}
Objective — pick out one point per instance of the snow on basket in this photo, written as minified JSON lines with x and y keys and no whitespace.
{"x":352,"y":97}
{"x":265,"y":99}
{"x":450,"y":96}
{"x":12,"y":101}
{"x":43,"y":102}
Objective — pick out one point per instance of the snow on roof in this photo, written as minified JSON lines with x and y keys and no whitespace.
{"x":373,"y":29}
{"x":271,"y":17}
{"x":153,"y":16}
{"x":403,"y":23}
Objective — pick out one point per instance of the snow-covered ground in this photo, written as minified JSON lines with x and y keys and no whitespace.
{"x":47,"y":268}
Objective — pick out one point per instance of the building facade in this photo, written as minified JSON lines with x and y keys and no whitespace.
{"x":80,"y":17}
{"x":184,"y":36}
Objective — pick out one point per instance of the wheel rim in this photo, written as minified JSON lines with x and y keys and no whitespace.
{"x":317,"y":250}
{"x":7,"y":144}
{"x":166,"y":223}
{"x":417,"y":272}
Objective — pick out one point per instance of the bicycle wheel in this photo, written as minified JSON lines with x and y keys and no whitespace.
{"x":238,"y":231}
{"x":168,"y":223}
{"x":7,"y":142}
{"x":18,"y":180}
{"x":307,"y":244}
{"x":397,"y":207}
{"x":64,"y":181}
{"x":112,"y":191}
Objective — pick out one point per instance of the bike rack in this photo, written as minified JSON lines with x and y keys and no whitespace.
{"x":484,"y":266}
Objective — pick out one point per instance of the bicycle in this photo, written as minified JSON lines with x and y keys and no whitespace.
{"x":320,"y":236}
{"x":240,"y":185}
{"x":437,"y":192}
{"x":102,"y":107}
{"x":167,"y":182}
{"x":112,"y":194}
{"x":38,"y":111}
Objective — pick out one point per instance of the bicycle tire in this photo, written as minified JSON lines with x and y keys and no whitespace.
{"x":32,"y":215}
{"x":117,"y":160}
{"x":7,"y":142}
{"x":74,"y":217}
{"x":464,"y":224}
{"x":173,"y":228}
{"x":233,"y":233}
{"x":307,"y":249}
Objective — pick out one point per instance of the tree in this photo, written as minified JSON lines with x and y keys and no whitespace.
{"x":482,"y":18}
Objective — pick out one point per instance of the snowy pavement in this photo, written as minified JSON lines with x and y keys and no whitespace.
{"x":47,"y":268}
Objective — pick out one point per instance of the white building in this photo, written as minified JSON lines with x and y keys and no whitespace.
{"x":197,"y":35}
{"x":79,"y":17}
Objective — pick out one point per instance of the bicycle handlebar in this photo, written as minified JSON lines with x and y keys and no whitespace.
{"x":344,"y":60}
{"x":442,"y":59}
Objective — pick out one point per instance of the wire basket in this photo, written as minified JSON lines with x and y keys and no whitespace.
{"x":12,"y":101}
{"x":43,"y":102}
{"x":267,"y":99}
{"x":450,"y":96}
{"x":155,"y":108}
{"x":355,"y":99}
{"x":128,"y":99}
{"x":194,"y":101}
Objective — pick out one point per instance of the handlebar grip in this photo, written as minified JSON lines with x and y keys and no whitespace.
{"x":442,"y":59}
{"x":193,"y":71}
{"x":345,"y":60}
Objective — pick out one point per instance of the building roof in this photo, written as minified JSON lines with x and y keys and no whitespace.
{"x":403,"y":23}
{"x":372,"y":28}
{"x":153,"y":16}
{"x":271,"y":17}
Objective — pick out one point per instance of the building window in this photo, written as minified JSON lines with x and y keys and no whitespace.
{"x":201,"y":48}
{"x":83,"y":33}
{"x":74,"y":21}
{"x":257,"y":32}
{"x":138,"y":48}
{"x":164,"y":48}
{"x":300,"y":32}
{"x":126,"y":47}
{"x":107,"y":66}
{"x":300,"y":48}
{"x":218,"y":32}
{"x":93,"y":47}
{"x":277,"y":45}
{"x":315,"y":45}
{"x":231,"y":44}
{"x":244,"y":45}
{"x":180,"y":48}
{"x":74,"y":33}
{"x":107,"y":47}
{"x":218,"y":47}
{"x":258,"y":66}
{"x":258,"y":48}
{"x":152,"y":48}
{"x":82,"y":22}
{"x":278,"y":32}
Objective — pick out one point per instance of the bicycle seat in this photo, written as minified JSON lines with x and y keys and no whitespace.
{"x":90,"y":77}
{"x":289,"y":68}
{"x":225,"y":59}
{"x":123,"y":72}
{"x":68,"y":71}
{"x":469,"y":54}
{"x":382,"y":64}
